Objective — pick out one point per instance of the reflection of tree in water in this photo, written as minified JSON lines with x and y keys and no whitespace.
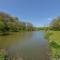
{"x":6,"y":41}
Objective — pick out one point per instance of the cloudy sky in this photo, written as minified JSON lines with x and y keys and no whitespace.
{"x":39,"y":12}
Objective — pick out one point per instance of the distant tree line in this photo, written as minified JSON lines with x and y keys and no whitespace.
{"x":41,"y":28}
{"x":10,"y":23}
{"x":54,"y":25}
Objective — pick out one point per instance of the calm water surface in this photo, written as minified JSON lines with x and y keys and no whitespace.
{"x":27,"y":45}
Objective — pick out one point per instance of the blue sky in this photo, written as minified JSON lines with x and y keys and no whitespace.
{"x":38,"y":12}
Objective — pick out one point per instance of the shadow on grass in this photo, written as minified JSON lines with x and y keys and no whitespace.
{"x":53,"y":44}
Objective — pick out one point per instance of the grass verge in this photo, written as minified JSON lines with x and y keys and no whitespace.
{"x":53,"y":38}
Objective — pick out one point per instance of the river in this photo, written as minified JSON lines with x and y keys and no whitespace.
{"x":27,"y":45}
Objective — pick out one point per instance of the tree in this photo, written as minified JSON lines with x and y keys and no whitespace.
{"x":4,"y":23}
{"x":55,"y":24}
{"x":14,"y":24}
{"x":29,"y":26}
{"x":10,"y":23}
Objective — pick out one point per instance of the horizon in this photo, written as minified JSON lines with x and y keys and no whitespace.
{"x":38,"y":12}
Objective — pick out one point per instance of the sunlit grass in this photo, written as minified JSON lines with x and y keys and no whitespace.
{"x":54,"y":43}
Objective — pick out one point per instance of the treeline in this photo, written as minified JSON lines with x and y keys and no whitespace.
{"x":54,"y":25}
{"x":41,"y":28}
{"x":10,"y":23}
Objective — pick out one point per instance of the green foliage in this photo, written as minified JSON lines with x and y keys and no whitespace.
{"x":9,"y":23}
{"x":48,"y":34}
{"x":55,"y":24}
{"x":41,"y":28}
{"x":54,"y":43}
{"x":2,"y":54}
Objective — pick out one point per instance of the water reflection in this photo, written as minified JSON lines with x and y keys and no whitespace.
{"x":26,"y":45}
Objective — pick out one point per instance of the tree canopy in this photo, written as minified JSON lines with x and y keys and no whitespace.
{"x":10,"y":23}
{"x":55,"y":24}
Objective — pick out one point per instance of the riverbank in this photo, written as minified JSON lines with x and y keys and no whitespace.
{"x":54,"y":43}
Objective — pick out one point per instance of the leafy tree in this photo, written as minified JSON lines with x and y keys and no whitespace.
{"x":55,"y":24}
{"x":29,"y":26}
{"x":10,"y":23}
{"x":3,"y":23}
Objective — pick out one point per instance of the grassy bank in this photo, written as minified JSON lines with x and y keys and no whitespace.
{"x":54,"y":43}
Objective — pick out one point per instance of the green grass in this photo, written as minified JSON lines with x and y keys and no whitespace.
{"x":2,"y":54}
{"x":54,"y":42}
